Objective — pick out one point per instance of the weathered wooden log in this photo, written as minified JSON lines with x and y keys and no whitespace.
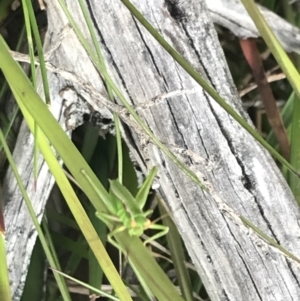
{"x":234,"y":262}
{"x":232,"y":15}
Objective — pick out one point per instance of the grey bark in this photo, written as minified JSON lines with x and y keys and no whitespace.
{"x":233,"y":262}
{"x":232,"y":15}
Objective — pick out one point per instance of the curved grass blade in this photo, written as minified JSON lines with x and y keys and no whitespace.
{"x":143,"y":193}
{"x":91,"y":288}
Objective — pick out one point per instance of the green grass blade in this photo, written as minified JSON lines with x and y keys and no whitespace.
{"x":102,"y":193}
{"x":33,"y":74}
{"x":143,"y":192}
{"x":95,"y":271}
{"x":90,"y":25}
{"x":176,"y":249}
{"x":50,"y":243}
{"x":3,"y":89}
{"x":29,"y":41}
{"x":4,"y":276}
{"x":146,"y":290}
{"x":269,"y":239}
{"x":8,"y":126}
{"x":4,"y":279}
{"x":78,"y":32}
{"x":98,"y":291}
{"x":295,"y":150}
{"x":119,"y":148}
{"x":100,"y":64}
{"x":60,"y":281}
{"x":40,"y":51}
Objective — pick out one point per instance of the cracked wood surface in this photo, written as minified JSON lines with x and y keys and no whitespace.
{"x":233,"y":262}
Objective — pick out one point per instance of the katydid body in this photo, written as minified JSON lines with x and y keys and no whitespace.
{"x":127,"y":210}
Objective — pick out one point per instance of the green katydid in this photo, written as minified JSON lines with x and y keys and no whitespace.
{"x":127,"y":210}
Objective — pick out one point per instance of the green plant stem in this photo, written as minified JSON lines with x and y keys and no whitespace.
{"x":4,"y":279}
{"x":5,"y":293}
{"x":267,"y":238}
{"x":91,"y":288}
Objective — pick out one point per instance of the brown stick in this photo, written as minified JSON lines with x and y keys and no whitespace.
{"x":254,"y":60}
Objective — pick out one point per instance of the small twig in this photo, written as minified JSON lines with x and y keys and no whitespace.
{"x":42,"y":5}
{"x":254,"y":60}
{"x":270,"y":78}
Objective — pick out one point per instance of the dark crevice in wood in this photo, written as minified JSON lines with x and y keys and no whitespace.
{"x":245,"y":179}
{"x":244,"y":263}
{"x":174,"y":10}
{"x":268,"y":223}
{"x":292,"y":272}
{"x":149,"y":51}
{"x":247,"y":182}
